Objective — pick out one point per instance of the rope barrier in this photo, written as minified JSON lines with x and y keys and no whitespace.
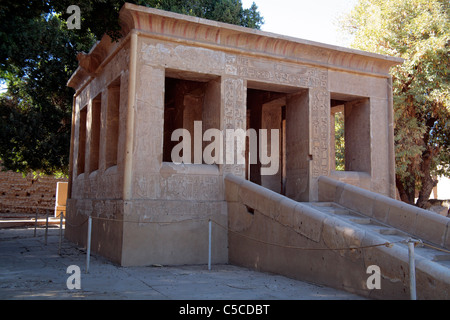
{"x":75,"y":225}
{"x":386,"y":244}
{"x":352,"y":248}
{"x":436,"y":248}
{"x":411,"y":243}
{"x":149,"y":222}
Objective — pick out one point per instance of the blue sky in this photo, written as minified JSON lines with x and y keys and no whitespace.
{"x":306,"y":19}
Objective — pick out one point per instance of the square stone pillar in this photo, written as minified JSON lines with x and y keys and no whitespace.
{"x":234,"y":116}
{"x":357,"y":136}
{"x":271,"y":119}
{"x":148,"y":132}
{"x":298,"y":158}
{"x":307,"y":142}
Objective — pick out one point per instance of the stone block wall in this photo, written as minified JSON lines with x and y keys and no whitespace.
{"x":24,"y":195}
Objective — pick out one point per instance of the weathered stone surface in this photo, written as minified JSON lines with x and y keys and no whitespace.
{"x":417,"y":222}
{"x":431,"y":226}
{"x":308,"y":223}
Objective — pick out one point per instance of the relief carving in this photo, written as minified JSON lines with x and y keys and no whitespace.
{"x":300,"y":76}
{"x":190,"y":187}
{"x":235,"y":107}
{"x":230,"y":66}
{"x":235,"y":115}
{"x":183,"y":57}
{"x":320,"y":131}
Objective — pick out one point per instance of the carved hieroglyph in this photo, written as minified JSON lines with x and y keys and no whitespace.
{"x":319,"y":133}
{"x":314,"y":79}
{"x":181,"y":57}
{"x":235,"y":71}
{"x":234,"y":115}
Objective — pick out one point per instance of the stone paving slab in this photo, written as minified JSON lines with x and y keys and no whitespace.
{"x":31,"y":270}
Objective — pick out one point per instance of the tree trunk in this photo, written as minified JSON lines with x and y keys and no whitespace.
{"x":405,"y":196}
{"x":428,"y":183}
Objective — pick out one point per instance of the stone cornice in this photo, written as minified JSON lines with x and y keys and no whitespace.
{"x":211,"y":34}
{"x":207,"y":32}
{"x":92,"y":63}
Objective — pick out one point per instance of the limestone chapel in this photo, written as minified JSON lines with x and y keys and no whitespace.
{"x":171,"y":71}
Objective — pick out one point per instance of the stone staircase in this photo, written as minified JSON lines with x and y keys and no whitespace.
{"x":335,"y":240}
{"x":382,"y":230}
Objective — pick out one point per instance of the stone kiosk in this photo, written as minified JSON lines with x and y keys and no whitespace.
{"x":171,"y":71}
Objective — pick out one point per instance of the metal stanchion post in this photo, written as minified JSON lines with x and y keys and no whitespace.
{"x":46,"y":226}
{"x":412,"y":270}
{"x":209,"y":247}
{"x":35,"y":222}
{"x":60,"y":232}
{"x":88,"y":246}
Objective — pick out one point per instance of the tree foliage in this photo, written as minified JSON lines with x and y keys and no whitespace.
{"x":38,"y":56}
{"x":339,"y":142}
{"x":419,"y":32}
{"x":106,"y":11}
{"x":36,"y":60}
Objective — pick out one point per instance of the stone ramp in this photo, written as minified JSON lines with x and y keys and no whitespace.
{"x":392,"y":235}
{"x":419,"y":223}
{"x":335,"y":241}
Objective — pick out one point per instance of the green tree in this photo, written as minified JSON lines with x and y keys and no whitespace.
{"x":38,"y":56}
{"x":419,"y":32}
{"x":339,"y":142}
{"x":106,"y":11}
{"x":36,"y":60}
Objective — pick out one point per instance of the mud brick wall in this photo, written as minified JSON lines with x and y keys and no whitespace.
{"x":25,"y":195}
